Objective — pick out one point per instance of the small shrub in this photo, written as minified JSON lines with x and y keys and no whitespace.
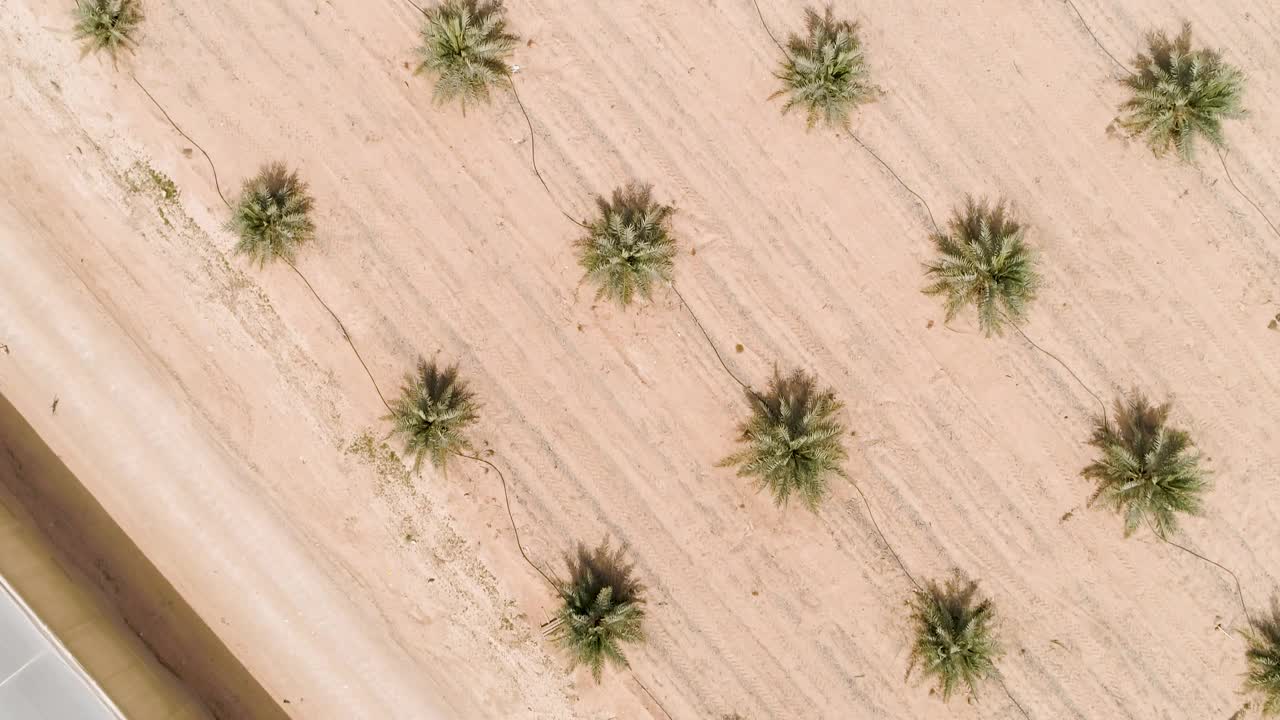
{"x":433,"y":413}
{"x":793,"y":440}
{"x":108,"y":25}
{"x":603,"y":607}
{"x":1263,"y":657}
{"x":955,"y":642}
{"x":1179,"y":94}
{"x":629,"y":247}
{"x":272,"y":216}
{"x":825,"y":72}
{"x":983,"y":261}
{"x":1149,"y":472}
{"x":465,"y":43}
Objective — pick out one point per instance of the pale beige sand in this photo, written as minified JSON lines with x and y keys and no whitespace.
{"x":211,"y":406}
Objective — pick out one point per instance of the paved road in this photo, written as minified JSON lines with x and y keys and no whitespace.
{"x":38,"y":679}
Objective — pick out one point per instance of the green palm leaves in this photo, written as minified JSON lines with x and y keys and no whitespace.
{"x":1148,"y":472}
{"x":983,"y":261}
{"x":107,"y":24}
{"x":603,"y":608}
{"x":824,"y":71}
{"x":465,"y":43}
{"x":272,"y":216}
{"x":433,"y":412}
{"x":1179,"y":94}
{"x":629,"y":248}
{"x":793,"y":440}
{"x":1263,"y":658}
{"x":955,"y":641}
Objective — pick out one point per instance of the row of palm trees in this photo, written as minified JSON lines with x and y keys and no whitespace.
{"x":791,"y":442}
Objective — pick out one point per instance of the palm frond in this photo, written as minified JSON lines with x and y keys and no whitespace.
{"x":108,"y":25}
{"x":602,"y":608}
{"x":465,"y":44}
{"x":955,"y":641}
{"x":433,"y":413}
{"x":1262,"y":656}
{"x":272,"y":216}
{"x":825,"y":72}
{"x":628,"y":248}
{"x":984,"y":262}
{"x":1179,"y":94}
{"x":793,"y":441}
{"x":1148,"y":472}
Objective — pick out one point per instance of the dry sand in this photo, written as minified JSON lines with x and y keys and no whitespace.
{"x":215,"y":412}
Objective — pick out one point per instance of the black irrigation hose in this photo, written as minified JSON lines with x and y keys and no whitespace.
{"x":1102,"y":47}
{"x":711,"y":342}
{"x":160,"y":107}
{"x":871,"y":516}
{"x":652,"y":697}
{"x":1239,"y":589}
{"x":1222,"y":158}
{"x":1012,"y":699}
{"x":895,"y":175}
{"x":507,"y":498}
{"x":533,"y":156}
{"x":1101,"y":405}
{"x":767,"y":30}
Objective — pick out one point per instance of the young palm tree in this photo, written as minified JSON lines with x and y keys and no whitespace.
{"x":465,"y":43}
{"x":432,"y":414}
{"x":273,"y":215}
{"x":603,"y":607}
{"x":955,"y":640}
{"x":1180,"y":93}
{"x":983,"y":261}
{"x":108,"y":25}
{"x":1149,"y":472}
{"x":824,"y":71}
{"x":793,"y":440}
{"x":1263,"y":658}
{"x":629,"y":247}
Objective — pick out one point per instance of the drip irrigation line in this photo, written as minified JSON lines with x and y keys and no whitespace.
{"x":1239,"y":589}
{"x":515,"y":531}
{"x":1122,"y":66}
{"x":1101,"y":405}
{"x":1222,"y":158}
{"x":533,"y":155}
{"x":160,"y":107}
{"x":710,"y":342}
{"x":345,"y":335}
{"x":1012,"y":699}
{"x":650,"y":694}
{"x":895,"y":175}
{"x":416,"y":6}
{"x":767,"y":30}
{"x":872,"y":517}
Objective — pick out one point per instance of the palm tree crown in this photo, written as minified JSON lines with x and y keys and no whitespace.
{"x":983,"y":261}
{"x":603,"y":607}
{"x":433,"y":412}
{"x":466,"y":44}
{"x":1180,"y":93}
{"x":955,"y":640}
{"x":273,"y":215}
{"x":1148,"y":472}
{"x":108,"y":24}
{"x":792,"y":440}
{"x":629,"y":247}
{"x":824,"y":71}
{"x":1263,"y":658}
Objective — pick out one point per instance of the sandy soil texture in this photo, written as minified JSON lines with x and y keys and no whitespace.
{"x":215,"y":412}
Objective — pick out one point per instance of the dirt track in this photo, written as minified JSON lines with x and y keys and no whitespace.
{"x":215,"y":412}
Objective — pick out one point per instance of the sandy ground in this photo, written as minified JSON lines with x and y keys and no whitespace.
{"x":214,"y":411}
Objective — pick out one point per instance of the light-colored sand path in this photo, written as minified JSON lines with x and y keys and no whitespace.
{"x":214,"y":405}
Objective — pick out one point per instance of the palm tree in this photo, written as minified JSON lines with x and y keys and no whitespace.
{"x":108,"y":25}
{"x":824,"y":71}
{"x":603,"y":607}
{"x":465,"y":43}
{"x":1263,"y":658}
{"x":792,"y":440}
{"x":955,"y":640}
{"x":1180,"y":93}
{"x":1149,"y":472}
{"x":629,"y":247}
{"x":433,"y":412}
{"x":272,"y":216}
{"x":983,"y":261}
